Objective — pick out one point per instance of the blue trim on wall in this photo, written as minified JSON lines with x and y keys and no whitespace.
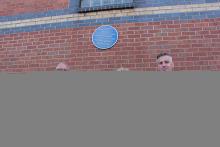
{"x":74,"y":6}
{"x":157,"y":3}
{"x":119,"y":20}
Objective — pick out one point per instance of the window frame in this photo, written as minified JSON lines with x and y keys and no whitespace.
{"x":105,"y":7}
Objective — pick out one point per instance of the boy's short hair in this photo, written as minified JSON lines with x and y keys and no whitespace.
{"x":163,"y":54}
{"x":62,"y":66}
{"x":122,"y":69}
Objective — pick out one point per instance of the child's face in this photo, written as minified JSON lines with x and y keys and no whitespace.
{"x":165,"y":63}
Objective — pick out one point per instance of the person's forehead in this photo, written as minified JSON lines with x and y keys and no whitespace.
{"x":163,"y":58}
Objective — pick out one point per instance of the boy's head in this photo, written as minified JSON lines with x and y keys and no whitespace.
{"x":62,"y":67}
{"x":165,"y":62}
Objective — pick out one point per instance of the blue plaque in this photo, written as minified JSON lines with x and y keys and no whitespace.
{"x":105,"y":37}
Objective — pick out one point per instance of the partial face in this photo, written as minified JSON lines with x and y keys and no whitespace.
{"x":165,"y":63}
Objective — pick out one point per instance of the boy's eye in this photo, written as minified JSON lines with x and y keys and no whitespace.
{"x":166,"y":62}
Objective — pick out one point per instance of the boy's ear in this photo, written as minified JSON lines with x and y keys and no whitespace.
{"x":172,"y":64}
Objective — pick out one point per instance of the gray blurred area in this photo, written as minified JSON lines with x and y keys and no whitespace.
{"x":110,"y":109}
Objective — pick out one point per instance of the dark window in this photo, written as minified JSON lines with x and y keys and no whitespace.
{"x":96,"y":5}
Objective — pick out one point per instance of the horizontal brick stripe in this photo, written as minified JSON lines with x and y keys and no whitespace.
{"x":74,"y":5}
{"x":180,"y":12}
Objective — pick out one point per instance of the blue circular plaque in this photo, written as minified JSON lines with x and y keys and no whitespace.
{"x":105,"y":37}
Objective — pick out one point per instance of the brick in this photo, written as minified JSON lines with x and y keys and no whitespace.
{"x":173,"y":26}
{"x":188,"y":33}
{"x":154,"y":31}
{"x":136,"y":48}
{"x":30,"y":6}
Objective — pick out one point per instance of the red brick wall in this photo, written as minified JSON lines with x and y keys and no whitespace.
{"x":195,"y":45}
{"x":14,"y":7}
